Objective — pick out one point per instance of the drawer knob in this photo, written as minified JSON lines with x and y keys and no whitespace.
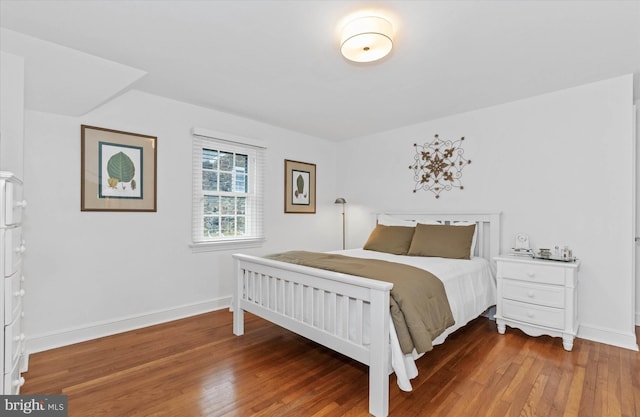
{"x":22,"y":203}
{"x":18,"y":382}
{"x":530,"y":294}
{"x":19,"y":338}
{"x":530,"y":314}
{"x":531,"y":274}
{"x":21,"y":249}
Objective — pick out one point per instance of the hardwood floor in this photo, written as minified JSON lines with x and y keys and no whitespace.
{"x":197,"y":367}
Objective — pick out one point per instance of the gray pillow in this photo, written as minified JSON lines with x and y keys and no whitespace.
{"x":444,"y":241}
{"x":390,"y":239}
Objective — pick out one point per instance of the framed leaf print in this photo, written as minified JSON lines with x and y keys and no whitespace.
{"x":299,"y":187}
{"x":118,"y":170}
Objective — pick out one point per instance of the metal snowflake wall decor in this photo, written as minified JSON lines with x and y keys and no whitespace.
{"x":438,"y":165}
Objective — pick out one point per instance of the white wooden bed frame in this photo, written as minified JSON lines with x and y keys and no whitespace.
{"x":310,"y":301}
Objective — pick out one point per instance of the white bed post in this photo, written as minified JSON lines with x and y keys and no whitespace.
{"x":495,"y":236}
{"x":380,"y":355}
{"x":238,"y":313}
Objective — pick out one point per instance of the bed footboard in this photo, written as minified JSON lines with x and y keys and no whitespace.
{"x":330,"y":308}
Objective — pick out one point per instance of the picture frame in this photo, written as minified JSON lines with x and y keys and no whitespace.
{"x":299,"y":187}
{"x":118,"y":170}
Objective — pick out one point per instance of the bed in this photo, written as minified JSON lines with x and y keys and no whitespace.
{"x":351,"y":314}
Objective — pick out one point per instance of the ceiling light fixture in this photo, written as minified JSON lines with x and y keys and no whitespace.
{"x":367,"y":39}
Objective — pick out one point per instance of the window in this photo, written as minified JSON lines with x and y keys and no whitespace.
{"x":227,"y":191}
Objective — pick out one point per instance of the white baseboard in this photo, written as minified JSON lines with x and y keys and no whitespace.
{"x":608,"y":336}
{"x":39,"y":343}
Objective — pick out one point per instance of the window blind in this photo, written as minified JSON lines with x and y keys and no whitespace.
{"x":228,"y":183}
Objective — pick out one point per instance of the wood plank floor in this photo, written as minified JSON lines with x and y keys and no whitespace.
{"x":197,"y":367}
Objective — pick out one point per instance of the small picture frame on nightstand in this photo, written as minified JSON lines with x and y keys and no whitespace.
{"x":521,"y":246}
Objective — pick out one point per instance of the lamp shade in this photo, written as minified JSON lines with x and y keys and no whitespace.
{"x":366,"y":39}
{"x":340,"y":200}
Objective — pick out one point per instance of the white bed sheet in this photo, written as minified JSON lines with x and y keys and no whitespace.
{"x":471,"y":289}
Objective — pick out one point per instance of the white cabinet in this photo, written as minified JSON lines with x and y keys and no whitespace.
{"x":538,"y":297}
{"x":12,"y":248}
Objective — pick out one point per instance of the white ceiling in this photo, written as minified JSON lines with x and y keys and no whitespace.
{"x":279,"y":61}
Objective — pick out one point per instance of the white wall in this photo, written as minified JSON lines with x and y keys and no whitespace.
{"x":11,"y":113}
{"x":558,"y":166}
{"x":94,"y":273}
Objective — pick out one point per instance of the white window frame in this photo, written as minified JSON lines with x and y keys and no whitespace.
{"x":206,"y":139}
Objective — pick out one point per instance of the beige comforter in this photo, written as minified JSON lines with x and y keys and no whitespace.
{"x":419,"y":306}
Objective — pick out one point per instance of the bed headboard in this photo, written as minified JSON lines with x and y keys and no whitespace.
{"x":487,"y":224}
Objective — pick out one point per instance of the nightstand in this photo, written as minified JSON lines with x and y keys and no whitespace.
{"x":538,"y":297}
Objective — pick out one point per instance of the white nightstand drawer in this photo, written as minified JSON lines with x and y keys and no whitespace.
{"x":13,"y":250}
{"x":13,"y":341}
{"x":541,"y":294}
{"x":13,"y":203}
{"x":13,"y":293}
{"x":533,"y":314}
{"x":545,"y":274}
{"x":12,"y":380}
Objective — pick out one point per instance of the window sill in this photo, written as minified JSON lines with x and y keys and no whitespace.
{"x":225,"y":245}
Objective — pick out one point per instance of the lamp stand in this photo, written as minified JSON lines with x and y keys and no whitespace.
{"x":343,"y":228}
{"x":342,"y":201}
